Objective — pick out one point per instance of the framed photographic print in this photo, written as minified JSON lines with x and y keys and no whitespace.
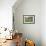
{"x":28,"y":19}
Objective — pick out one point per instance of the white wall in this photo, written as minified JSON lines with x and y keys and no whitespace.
{"x":6,"y":13}
{"x":43,"y":22}
{"x":31,"y":31}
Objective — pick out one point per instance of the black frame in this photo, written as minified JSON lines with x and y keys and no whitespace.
{"x":28,"y":16}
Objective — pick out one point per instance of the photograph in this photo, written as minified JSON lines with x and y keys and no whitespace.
{"x":28,"y":19}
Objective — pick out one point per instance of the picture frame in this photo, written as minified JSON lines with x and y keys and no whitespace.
{"x":28,"y":19}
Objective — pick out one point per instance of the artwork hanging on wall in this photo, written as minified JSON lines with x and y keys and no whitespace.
{"x":28,"y":19}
